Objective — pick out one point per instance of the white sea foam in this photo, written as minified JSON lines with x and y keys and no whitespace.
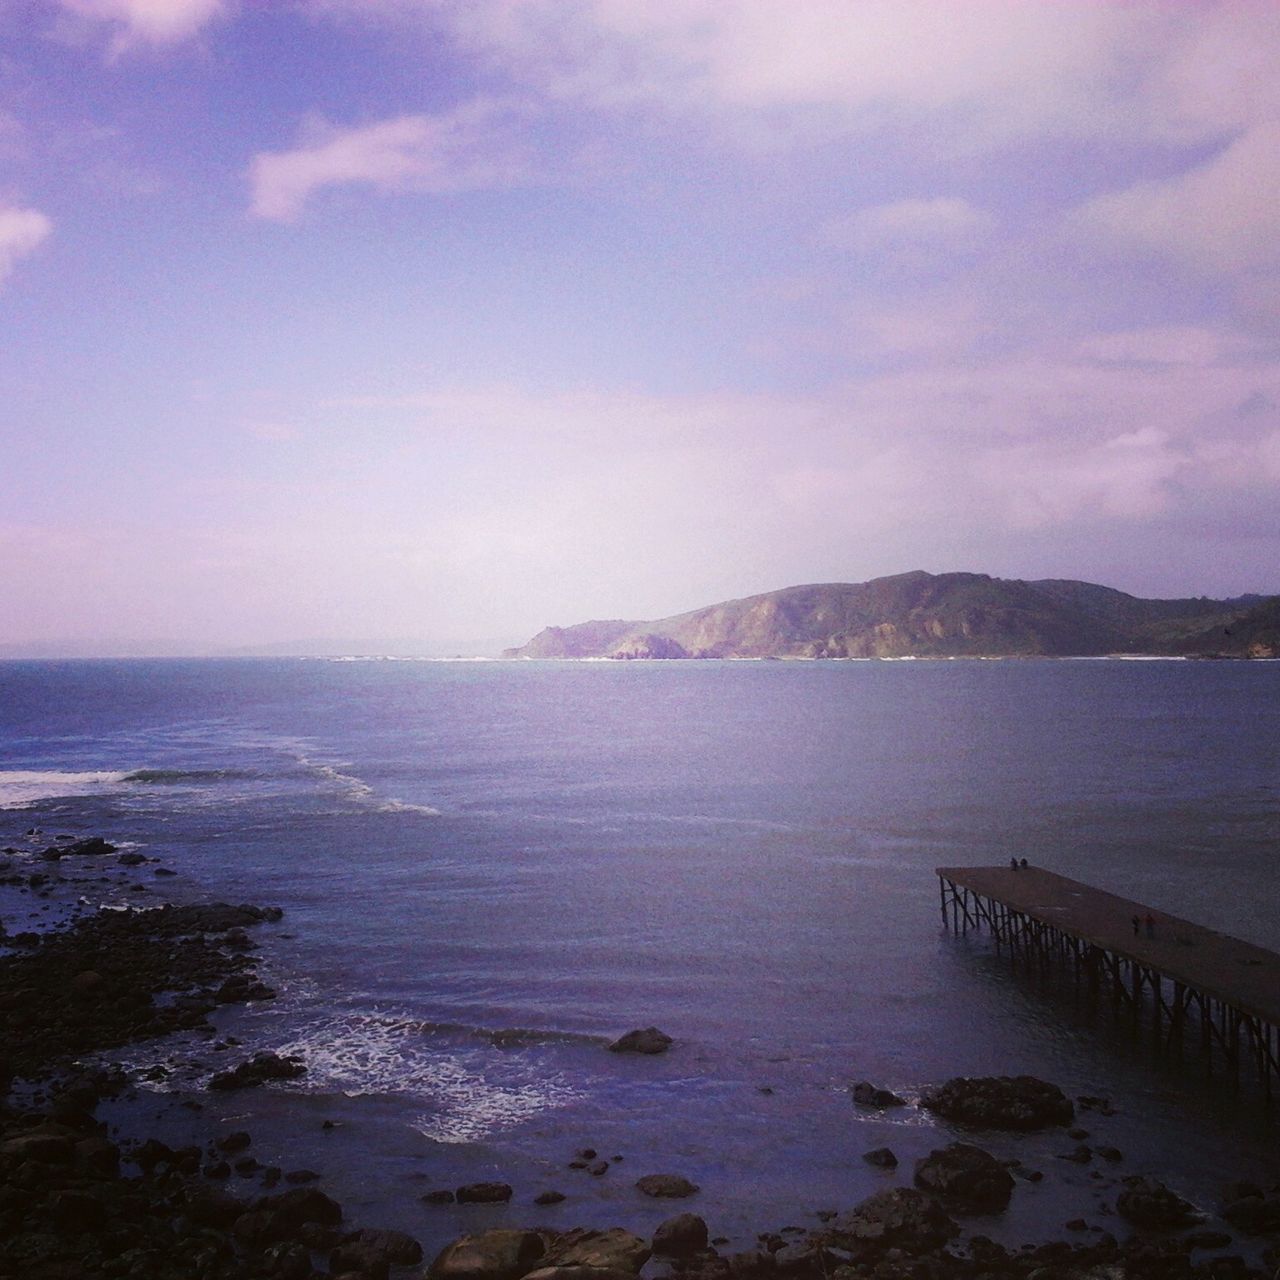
{"x":469,"y":1094}
{"x":359,"y":792}
{"x":22,"y":787}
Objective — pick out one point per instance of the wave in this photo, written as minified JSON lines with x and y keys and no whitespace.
{"x":469,"y":1094}
{"x":22,"y":787}
{"x":360,"y":792}
{"x":179,"y":776}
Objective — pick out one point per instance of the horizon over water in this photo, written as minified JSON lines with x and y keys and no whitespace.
{"x":490,"y":870}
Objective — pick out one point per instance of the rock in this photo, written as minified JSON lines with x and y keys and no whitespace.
{"x":881,"y":1157}
{"x":1079,"y":1154}
{"x":899,"y":1218}
{"x":1254,"y":1215}
{"x":613,"y":1250}
{"x":372,"y":1251}
{"x":302,"y":1204}
{"x":866,"y":1094}
{"x":1020,"y":1103}
{"x":93,"y":846}
{"x":258,"y":1070}
{"x":233,"y":1142}
{"x":211,"y":1207}
{"x":647,"y":1040}
{"x":131,"y":859}
{"x":1113,"y":1155}
{"x":484,"y":1193}
{"x":1147,"y":1203}
{"x":666,"y":1186}
{"x":300,"y":1177}
{"x":490,"y":1255}
{"x":1207,"y":1240}
{"x":579,"y":1273}
{"x":680,"y":1236}
{"x":966,"y":1178}
{"x":549,"y":1197}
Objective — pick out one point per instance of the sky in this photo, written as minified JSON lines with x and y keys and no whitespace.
{"x":446,"y":320}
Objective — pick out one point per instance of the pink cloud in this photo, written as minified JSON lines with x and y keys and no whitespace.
{"x":22,"y":231}
{"x":135,"y":23}
{"x":461,"y":150}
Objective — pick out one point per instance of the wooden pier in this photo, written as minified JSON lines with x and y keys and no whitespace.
{"x":1170,"y":978}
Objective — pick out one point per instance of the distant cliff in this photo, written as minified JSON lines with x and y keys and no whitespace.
{"x":923,"y":615}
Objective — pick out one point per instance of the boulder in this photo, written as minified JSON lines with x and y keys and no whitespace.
{"x":579,"y":1273}
{"x":484,"y":1193}
{"x":966,"y":1178}
{"x":610,"y":1250}
{"x":1020,"y":1103}
{"x":258,"y":1070}
{"x":881,"y":1157}
{"x":899,"y":1218}
{"x":1254,"y":1215}
{"x":666,"y":1186}
{"x":490,"y":1255}
{"x":548,"y":1197}
{"x":382,"y":1246}
{"x":866,"y":1094}
{"x":302,"y":1204}
{"x":680,"y":1236}
{"x":643,"y":1040}
{"x":1147,"y":1203}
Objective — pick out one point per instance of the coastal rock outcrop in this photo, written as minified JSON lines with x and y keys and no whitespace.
{"x":258,"y":1070}
{"x":611,"y":1250}
{"x":1019,"y":1103}
{"x":966,"y":1178}
{"x":666,"y":1186}
{"x":900,"y":1218}
{"x":866,"y":1094}
{"x":684,"y":1234}
{"x":642,"y":1040}
{"x":1147,"y":1203}
{"x":502,"y":1254}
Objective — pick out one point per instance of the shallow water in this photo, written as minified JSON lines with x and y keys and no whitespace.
{"x":490,"y":870}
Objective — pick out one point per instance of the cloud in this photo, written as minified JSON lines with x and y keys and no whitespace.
{"x":979,"y":74}
{"x":22,"y":231}
{"x":944,"y":221}
{"x":142,"y":23}
{"x":465,"y":149}
{"x":1221,"y":216}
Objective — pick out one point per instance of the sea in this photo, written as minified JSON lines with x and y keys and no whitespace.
{"x":490,"y":870}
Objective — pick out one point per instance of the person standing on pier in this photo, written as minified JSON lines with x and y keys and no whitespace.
{"x":1135,"y":922}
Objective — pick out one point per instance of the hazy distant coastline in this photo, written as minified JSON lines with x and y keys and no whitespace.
{"x":923,"y":615}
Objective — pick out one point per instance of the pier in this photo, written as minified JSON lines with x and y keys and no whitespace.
{"x":1170,"y":979}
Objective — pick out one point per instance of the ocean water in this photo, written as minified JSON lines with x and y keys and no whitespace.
{"x":490,"y":870}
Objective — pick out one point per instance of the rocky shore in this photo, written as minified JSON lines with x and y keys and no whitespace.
{"x":81,"y":1201}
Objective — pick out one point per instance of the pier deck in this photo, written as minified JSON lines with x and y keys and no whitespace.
{"x":1182,"y":974}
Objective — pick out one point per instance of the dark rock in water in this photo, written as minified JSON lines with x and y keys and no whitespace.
{"x":899,"y":1218}
{"x":484,"y":1193}
{"x":490,"y":1255}
{"x":1113,"y":1155}
{"x":680,"y":1236}
{"x":438,"y":1197}
{"x":1020,"y":1103}
{"x":210,"y":1207}
{"x":1147,"y":1203}
{"x":240,"y":988}
{"x":301,"y":1205}
{"x":300,"y":1177}
{"x":233,"y":1142}
{"x":666,"y":1186}
{"x":966,"y":1178}
{"x":1079,"y":1154}
{"x":1207,"y":1240}
{"x":613,"y":1250}
{"x":131,"y":859}
{"x":644,"y":1040}
{"x":1254,"y":1215}
{"x":94,"y":845}
{"x":258,"y":1070}
{"x":867,"y":1094}
{"x":548,"y":1197}
{"x":881,"y":1157}
{"x":598,"y":1169}
{"x":375,"y":1249}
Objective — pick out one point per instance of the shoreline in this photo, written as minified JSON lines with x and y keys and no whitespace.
{"x":799,"y":1251}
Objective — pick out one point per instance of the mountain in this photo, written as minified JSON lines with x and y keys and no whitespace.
{"x":924,"y":615}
